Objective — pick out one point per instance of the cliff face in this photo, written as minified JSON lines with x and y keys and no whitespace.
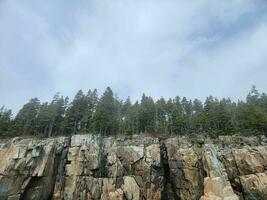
{"x":138,"y":167}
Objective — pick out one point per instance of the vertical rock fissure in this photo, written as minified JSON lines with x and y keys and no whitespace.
{"x":238,"y":190}
{"x":102,"y":171}
{"x":34,"y":182}
{"x":167,"y":176}
{"x":61,"y":160}
{"x":203,"y":174}
{"x":101,"y":167}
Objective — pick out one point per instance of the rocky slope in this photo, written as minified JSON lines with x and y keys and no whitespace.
{"x":138,"y":167}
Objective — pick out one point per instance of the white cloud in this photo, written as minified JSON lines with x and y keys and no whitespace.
{"x":163,"y":48}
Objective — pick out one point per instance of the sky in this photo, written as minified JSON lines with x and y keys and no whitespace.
{"x":159,"y":47}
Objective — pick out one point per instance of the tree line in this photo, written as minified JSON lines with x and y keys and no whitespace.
{"x":89,"y":113}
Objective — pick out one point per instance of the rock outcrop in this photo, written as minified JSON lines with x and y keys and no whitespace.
{"x":138,"y":167}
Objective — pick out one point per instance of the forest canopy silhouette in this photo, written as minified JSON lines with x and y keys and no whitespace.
{"x":106,"y":114}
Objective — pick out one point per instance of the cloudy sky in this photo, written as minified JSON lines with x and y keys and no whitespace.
{"x":160,"y":47}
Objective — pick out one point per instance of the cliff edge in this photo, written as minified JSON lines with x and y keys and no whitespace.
{"x":136,"y":167}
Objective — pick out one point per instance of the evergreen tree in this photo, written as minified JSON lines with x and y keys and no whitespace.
{"x":146,"y":115}
{"x":42,"y":119}
{"x":161,"y":116}
{"x":226,"y":116}
{"x":127,"y":117}
{"x":119,"y":115}
{"x":25,"y":121}
{"x":187,"y":111}
{"x":105,"y":117}
{"x":178,"y":118}
{"x":110,"y":115}
{"x":75,"y":114}
{"x":51,"y":116}
{"x":5,"y":121}
{"x":210,"y":113}
{"x":133,"y":118}
{"x":198,"y":116}
{"x":92,"y":100}
{"x":252,"y":115}
{"x":169,"y":116}
{"x":57,"y":108}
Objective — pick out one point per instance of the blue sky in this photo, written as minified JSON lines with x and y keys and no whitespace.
{"x":163,"y":48}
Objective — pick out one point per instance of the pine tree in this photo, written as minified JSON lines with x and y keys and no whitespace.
{"x":198,"y":116}
{"x":110,"y":115}
{"x":187,"y":110}
{"x":75,"y":115}
{"x":133,"y":118}
{"x":226,"y":116}
{"x":169,"y":116}
{"x":178,"y":117}
{"x":161,"y":116}
{"x":119,"y":114}
{"x":126,"y":120}
{"x":55,"y":114}
{"x":92,"y":98}
{"x":42,"y":119}
{"x":25,"y":121}
{"x":146,"y":115}
{"x":5,"y":121}
{"x":252,"y":114}
{"x":210,"y":121}
{"x":105,"y":118}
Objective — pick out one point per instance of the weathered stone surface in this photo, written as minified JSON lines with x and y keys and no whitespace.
{"x":249,"y":161}
{"x":216,"y":184}
{"x":153,"y":155}
{"x":27,"y":168}
{"x":99,"y":169}
{"x":133,"y":167}
{"x":255,"y":186}
{"x":218,"y":188}
{"x":185,"y":172}
{"x":130,"y":188}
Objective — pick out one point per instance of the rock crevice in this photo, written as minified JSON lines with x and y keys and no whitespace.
{"x":169,"y":187}
{"x":137,"y":167}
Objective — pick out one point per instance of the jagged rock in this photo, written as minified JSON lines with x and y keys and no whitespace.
{"x":130,"y":188}
{"x":185,"y":174}
{"x":28,"y":168}
{"x":130,"y":154}
{"x":106,"y":164}
{"x":14,"y":197}
{"x":133,"y":167}
{"x":153,"y":155}
{"x":249,"y":161}
{"x":216,"y":184}
{"x":254,"y":186}
{"x":218,"y":188}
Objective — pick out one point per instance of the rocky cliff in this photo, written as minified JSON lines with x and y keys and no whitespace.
{"x":137,"y":167}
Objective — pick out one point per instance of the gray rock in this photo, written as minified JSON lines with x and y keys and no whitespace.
{"x":133,"y":167}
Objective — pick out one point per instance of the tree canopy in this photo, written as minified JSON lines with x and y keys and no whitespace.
{"x":107,"y":114}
